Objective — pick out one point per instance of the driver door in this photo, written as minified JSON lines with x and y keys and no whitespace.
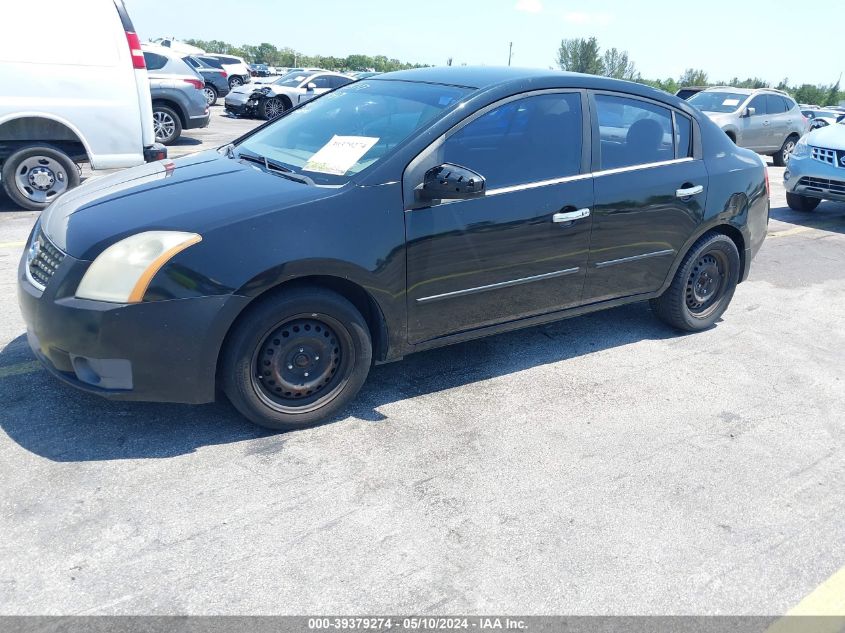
{"x":520,"y":250}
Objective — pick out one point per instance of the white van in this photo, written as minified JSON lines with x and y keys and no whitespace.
{"x":73,"y":88}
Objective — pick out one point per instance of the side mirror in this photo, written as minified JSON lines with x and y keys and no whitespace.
{"x":311,"y":87}
{"x":749,"y":112}
{"x":451,"y":182}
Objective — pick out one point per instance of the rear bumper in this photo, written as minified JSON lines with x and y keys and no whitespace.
{"x":198,"y":121}
{"x":162,"y":351}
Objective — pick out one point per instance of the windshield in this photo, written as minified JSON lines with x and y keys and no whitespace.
{"x":291,"y":80}
{"x":718,"y":101}
{"x":332,"y":138}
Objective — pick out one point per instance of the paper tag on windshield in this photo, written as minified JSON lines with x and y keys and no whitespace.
{"x":339,"y":154}
{"x":730,"y":102}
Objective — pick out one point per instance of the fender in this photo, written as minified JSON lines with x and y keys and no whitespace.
{"x":51,"y":117}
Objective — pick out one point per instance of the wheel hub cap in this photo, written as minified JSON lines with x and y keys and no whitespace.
{"x":42,"y":178}
{"x":705,"y":283}
{"x":298,"y":360}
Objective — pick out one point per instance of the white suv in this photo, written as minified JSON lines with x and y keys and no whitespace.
{"x":66,"y":99}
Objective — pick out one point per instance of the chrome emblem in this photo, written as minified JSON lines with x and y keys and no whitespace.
{"x":842,"y":160}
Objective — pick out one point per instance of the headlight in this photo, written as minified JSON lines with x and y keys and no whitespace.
{"x":801,"y":149}
{"x":122,"y":272}
{"x":264,"y":91}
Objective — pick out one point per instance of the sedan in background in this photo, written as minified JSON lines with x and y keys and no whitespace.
{"x":822,"y":118}
{"x":216,"y":79}
{"x":816,"y":169}
{"x":393,"y":215}
{"x":272,"y":100}
{"x":177,"y":94}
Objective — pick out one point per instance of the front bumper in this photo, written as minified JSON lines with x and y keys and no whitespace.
{"x":161,"y":351}
{"x":812,"y":178}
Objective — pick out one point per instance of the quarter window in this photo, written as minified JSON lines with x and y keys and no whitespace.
{"x":529,"y":140}
{"x":683,"y":136}
{"x":633,"y":132}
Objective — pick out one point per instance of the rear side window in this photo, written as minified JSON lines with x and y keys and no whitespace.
{"x":775,"y":104}
{"x":529,"y":140}
{"x":633,"y":132}
{"x":229,"y":60}
{"x":154,"y":61}
{"x":212,"y":61}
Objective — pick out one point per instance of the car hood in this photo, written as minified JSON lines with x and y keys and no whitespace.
{"x":830,"y":137}
{"x":199,"y":193}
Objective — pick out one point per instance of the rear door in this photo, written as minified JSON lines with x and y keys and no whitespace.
{"x":650,"y":191}
{"x":522,"y":249}
{"x":779,"y":120}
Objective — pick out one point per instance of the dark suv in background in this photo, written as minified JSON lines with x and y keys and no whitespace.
{"x":216,"y":79}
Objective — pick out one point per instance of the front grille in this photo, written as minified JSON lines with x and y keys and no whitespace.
{"x":829,"y":156}
{"x":823,"y":185}
{"x":42,"y":260}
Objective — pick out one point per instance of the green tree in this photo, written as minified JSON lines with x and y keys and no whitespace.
{"x":580,"y":56}
{"x":694,"y":77}
{"x":616,"y":64}
{"x":833,"y":95}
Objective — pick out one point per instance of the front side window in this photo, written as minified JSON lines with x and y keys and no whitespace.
{"x":529,"y":140}
{"x":321,"y":81}
{"x":633,"y":132}
{"x":759,"y":104}
{"x":332,"y":138}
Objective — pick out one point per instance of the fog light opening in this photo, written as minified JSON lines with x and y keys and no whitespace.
{"x":84,"y":371}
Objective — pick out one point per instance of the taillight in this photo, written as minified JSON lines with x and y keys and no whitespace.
{"x":225,"y":74}
{"x":135,"y":50}
{"x":766,"y":169}
{"x":196,"y":83}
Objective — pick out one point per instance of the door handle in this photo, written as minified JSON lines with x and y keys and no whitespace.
{"x":569,"y":216}
{"x":689,"y":192}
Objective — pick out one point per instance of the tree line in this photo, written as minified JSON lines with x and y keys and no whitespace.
{"x":266,"y":53}
{"x":584,"y":55}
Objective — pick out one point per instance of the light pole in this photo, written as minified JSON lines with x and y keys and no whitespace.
{"x":510,"y":53}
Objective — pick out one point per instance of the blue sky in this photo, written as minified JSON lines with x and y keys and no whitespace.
{"x":663,"y":38}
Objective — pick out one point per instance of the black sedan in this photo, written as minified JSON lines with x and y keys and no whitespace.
{"x":396,"y":214}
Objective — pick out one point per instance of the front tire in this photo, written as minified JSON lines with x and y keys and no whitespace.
{"x":783,"y":154}
{"x":797,"y":202}
{"x":272,"y":108}
{"x":703,"y":285}
{"x":34,"y":176}
{"x":296,"y":358}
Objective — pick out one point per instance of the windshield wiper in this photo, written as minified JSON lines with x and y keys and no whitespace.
{"x":278,"y":168}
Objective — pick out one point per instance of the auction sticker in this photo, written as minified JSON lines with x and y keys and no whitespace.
{"x":339,"y":154}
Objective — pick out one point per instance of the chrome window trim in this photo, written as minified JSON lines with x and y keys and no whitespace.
{"x":622,"y":170}
{"x":501,"y":284}
{"x":633,"y":258}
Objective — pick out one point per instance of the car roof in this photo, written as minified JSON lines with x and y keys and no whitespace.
{"x":511,"y":79}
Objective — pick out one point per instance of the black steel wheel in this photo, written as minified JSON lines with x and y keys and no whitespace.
{"x":296,"y":358}
{"x":703,"y":285}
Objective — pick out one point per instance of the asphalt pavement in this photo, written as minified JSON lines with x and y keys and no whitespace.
{"x":600,"y":465}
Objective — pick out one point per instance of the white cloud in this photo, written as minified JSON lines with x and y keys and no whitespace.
{"x":582,"y":17}
{"x":529,"y":6}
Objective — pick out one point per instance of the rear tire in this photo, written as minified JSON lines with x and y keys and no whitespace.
{"x":210,"y":93}
{"x":34,"y":176}
{"x":296,"y":358}
{"x":797,"y":202}
{"x":703,"y":286}
{"x":783,"y":154}
{"x":234,"y":82}
{"x":167,"y":125}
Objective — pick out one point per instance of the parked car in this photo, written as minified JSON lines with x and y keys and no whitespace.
{"x":176,"y":89}
{"x":236,"y":67}
{"x":767,"y":121}
{"x":687,"y":91}
{"x":816,"y":169}
{"x":263,"y":81}
{"x":216,"y":79}
{"x":363,"y":75}
{"x":409,"y":211}
{"x":43,"y":131}
{"x":259,"y":70}
{"x":271,"y":100}
{"x":821,"y":118}
{"x":178,"y":46}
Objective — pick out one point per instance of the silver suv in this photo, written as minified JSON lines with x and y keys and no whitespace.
{"x":767,"y":121}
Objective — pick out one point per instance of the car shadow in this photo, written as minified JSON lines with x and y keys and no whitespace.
{"x":184,"y":141}
{"x":828,"y":216}
{"x":59,"y":423}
